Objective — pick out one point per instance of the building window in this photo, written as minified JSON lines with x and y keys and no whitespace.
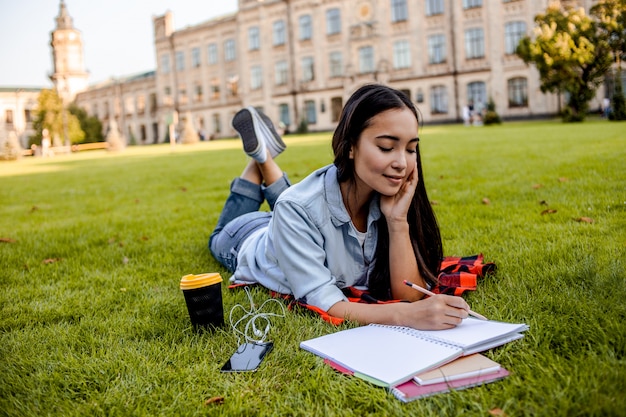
{"x":153,"y":103}
{"x":28,"y":115}
{"x":434,"y":7}
{"x":336,"y":104}
{"x":308,"y":71}
{"x":230,"y":54}
{"x":283,"y":114}
{"x":333,"y":21}
{"x":182,"y":95}
{"x":212,"y":53}
{"x":180,"y":61}
{"x":167,"y":99}
{"x":470,"y":4}
{"x":436,"y":49}
{"x":401,"y":54}
{"x":306,"y":27}
{"x":195,"y":57}
{"x":438,"y":100}
{"x":310,"y":112}
{"x":279,"y":32}
{"x":513,"y":33}
{"x":141,"y":104}
{"x":477,"y":94}
{"x":399,"y":12}
{"x":256,"y":77}
{"x":281,"y":73}
{"x":474,"y":43}
{"x":217,"y":125}
{"x":518,"y":92}
{"x":254,"y":39}
{"x":366,"y":59}
{"x":336,"y":64}
{"x":215,"y":89}
{"x":165,"y":63}
{"x":198,"y":93}
{"x":8,"y":117}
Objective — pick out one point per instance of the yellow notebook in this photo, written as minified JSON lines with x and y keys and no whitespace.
{"x":464,"y":367}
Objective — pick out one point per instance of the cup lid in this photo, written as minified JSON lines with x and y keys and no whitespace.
{"x":191,"y":281}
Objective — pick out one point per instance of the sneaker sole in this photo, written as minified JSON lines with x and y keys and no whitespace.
{"x":269,"y":127}
{"x":243,"y":123}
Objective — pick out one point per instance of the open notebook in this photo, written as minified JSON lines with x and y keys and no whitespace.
{"x":390,"y":355}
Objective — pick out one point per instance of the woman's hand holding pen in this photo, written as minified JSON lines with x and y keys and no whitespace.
{"x":435,"y":313}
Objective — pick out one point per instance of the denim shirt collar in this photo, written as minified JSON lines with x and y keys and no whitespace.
{"x":339,"y":214}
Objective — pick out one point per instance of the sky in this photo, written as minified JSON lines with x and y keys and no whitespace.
{"x":117,"y":35}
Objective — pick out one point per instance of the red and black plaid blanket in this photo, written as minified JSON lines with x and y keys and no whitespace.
{"x":456,"y":275}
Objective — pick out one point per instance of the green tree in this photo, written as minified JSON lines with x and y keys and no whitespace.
{"x":53,"y":116}
{"x":91,"y":125}
{"x":570,"y":56}
{"x":611,"y":17}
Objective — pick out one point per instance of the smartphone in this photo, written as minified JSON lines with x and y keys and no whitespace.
{"x":248,"y":357}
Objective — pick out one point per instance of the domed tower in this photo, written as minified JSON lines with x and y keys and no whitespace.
{"x":69,"y":76}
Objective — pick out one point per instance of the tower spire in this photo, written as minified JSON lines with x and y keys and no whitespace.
{"x":64,"y":20}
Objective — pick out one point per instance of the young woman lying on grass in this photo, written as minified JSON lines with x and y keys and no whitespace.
{"x":364,"y":220}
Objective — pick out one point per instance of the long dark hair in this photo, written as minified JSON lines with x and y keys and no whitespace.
{"x":367,"y":102}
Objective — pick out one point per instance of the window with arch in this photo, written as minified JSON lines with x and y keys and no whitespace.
{"x":513,"y":33}
{"x":439,"y":99}
{"x":518,"y":92}
{"x":477,"y":94}
{"x":310,"y":112}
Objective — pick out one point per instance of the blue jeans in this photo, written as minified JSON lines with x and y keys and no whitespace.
{"x":241,"y":217}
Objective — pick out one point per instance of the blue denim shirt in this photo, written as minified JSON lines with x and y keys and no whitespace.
{"x":309,"y":248}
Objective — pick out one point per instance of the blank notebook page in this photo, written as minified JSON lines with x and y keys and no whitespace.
{"x":384,"y":353}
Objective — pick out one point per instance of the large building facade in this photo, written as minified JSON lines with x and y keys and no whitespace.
{"x":299,"y":60}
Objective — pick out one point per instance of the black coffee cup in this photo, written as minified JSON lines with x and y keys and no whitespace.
{"x":203,"y":295}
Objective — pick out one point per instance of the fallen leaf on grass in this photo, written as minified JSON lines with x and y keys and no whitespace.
{"x":214,"y":400}
{"x":144,"y":238}
{"x":548,"y":211}
{"x":584,"y":219}
{"x":497,"y":412}
{"x":7,"y":240}
{"x":486,"y":201}
{"x":543,"y":203}
{"x":563,"y":179}
{"x":51,"y":260}
{"x":537,"y":186}
{"x":34,"y":208}
{"x":434,"y":203}
{"x":183,"y":189}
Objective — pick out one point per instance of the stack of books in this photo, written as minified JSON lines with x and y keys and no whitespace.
{"x":413,"y":363}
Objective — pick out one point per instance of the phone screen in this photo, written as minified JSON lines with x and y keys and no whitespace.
{"x":248,"y":357}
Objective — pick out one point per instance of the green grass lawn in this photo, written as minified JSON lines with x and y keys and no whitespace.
{"x":92,"y":321}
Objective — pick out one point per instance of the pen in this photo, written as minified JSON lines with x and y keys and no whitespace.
{"x":425,"y":291}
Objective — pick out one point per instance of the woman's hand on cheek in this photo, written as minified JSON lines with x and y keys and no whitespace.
{"x":396,"y":207}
